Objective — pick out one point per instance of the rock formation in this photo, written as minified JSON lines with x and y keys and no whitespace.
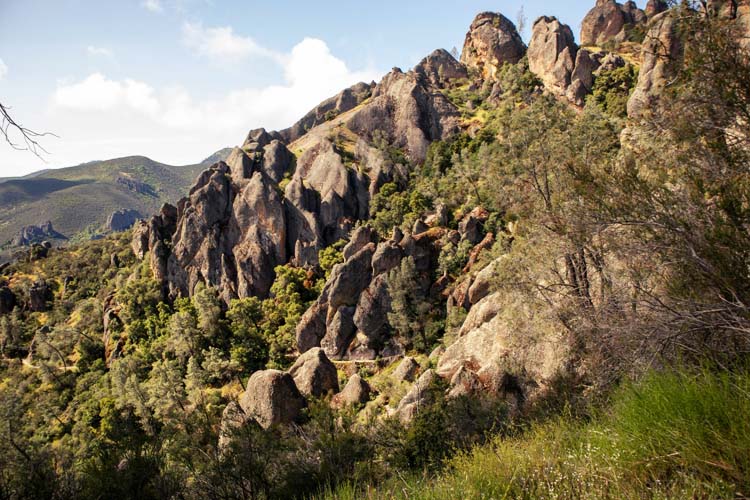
{"x":357,"y":293}
{"x":356,"y":392}
{"x":440,"y":68}
{"x":272,"y":398}
{"x":610,"y":21}
{"x":492,"y":41}
{"x":565,"y":69}
{"x":314,"y":374}
{"x":36,"y":234}
{"x":122,"y":220}
{"x":346,"y":100}
{"x":661,"y":52}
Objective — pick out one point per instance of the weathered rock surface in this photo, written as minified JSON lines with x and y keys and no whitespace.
{"x":494,"y":349}
{"x":654,"y":7}
{"x":417,"y":397}
{"x":408,"y":113}
{"x":356,"y":392}
{"x":358,"y":289}
{"x":272,"y":398}
{"x":344,"y":101}
{"x":122,"y":220}
{"x":406,"y":370}
{"x":492,"y":41}
{"x":440,"y":68}
{"x":314,"y":374}
{"x":554,"y":57}
{"x":610,"y":21}
{"x":231,"y":233}
{"x":552,"y":53}
{"x":660,"y":55}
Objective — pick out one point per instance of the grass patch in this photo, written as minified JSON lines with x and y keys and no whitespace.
{"x":677,"y":434}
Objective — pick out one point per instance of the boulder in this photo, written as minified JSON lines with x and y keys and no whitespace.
{"x":582,"y":78}
{"x":417,"y":397}
{"x":484,"y":279}
{"x":471,"y":227}
{"x":356,"y":392}
{"x":502,"y":340}
{"x":406,"y":370}
{"x":492,"y":41}
{"x":610,"y":21}
{"x":440,"y":68}
{"x":314,"y":374}
{"x":371,"y":315}
{"x":272,"y":398}
{"x":463,"y":383}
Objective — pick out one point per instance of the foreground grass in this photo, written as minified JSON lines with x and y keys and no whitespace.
{"x":672,"y":435}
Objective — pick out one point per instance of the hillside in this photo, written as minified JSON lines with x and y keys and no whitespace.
{"x":521,"y":274}
{"x":78,"y":200}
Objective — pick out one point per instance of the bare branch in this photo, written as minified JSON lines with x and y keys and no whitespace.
{"x":9,"y":127}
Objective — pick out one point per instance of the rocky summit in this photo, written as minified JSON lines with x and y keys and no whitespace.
{"x":520,"y":272}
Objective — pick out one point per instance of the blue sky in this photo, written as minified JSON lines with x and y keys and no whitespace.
{"x":176,"y":80}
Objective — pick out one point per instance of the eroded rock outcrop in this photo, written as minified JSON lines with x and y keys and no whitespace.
{"x":330,"y":108}
{"x":357,"y":292}
{"x":495,"y":350}
{"x":122,"y":220}
{"x":565,"y":69}
{"x":407,"y":113}
{"x":418,"y":397}
{"x":272,"y":398}
{"x":440,"y":68}
{"x":660,"y":55}
{"x":492,"y":41}
{"x":610,"y":21}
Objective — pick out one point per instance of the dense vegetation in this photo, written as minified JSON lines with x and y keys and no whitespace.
{"x":639,"y":252}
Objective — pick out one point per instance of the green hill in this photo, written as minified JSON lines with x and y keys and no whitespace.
{"x":78,"y":200}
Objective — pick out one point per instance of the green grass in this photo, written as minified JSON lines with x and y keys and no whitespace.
{"x":77,"y":198}
{"x":671,"y":435}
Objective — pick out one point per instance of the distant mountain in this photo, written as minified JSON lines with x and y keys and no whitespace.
{"x":79,"y":200}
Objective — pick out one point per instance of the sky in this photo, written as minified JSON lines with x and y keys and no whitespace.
{"x":177,"y":80}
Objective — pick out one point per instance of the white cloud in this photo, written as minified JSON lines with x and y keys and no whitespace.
{"x":153,"y":5}
{"x":3,"y":69}
{"x":222,"y":44}
{"x":97,"y":93}
{"x":99,"y":51}
{"x":99,"y":117}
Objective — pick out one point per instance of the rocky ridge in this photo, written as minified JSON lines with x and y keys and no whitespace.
{"x":238,"y":223}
